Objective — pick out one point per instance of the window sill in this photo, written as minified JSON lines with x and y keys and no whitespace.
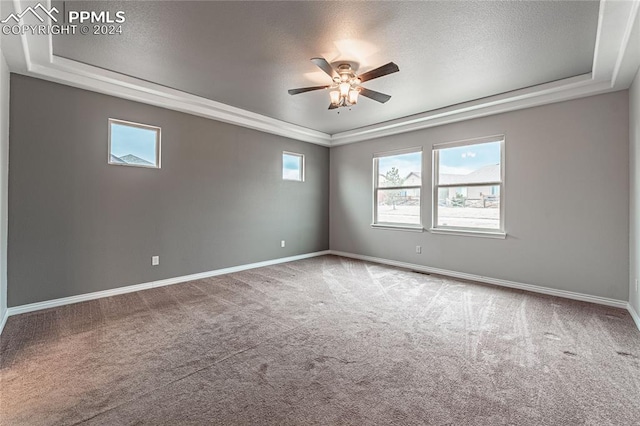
{"x":467,"y":233}
{"x":409,"y":228}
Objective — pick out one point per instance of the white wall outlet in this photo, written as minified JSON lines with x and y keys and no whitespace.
{"x":418,"y":249}
{"x":155,"y":260}
{"x":282,"y":243}
{"x":636,"y":285}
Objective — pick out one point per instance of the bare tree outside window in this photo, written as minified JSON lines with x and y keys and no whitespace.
{"x":398,"y":182}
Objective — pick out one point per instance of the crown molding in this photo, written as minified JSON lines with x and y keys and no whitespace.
{"x":562,"y":90}
{"x":614,"y":66}
{"x":37,"y":60}
{"x":613,"y":58}
{"x":65,"y":71}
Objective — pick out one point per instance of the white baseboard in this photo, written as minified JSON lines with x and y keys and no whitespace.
{"x":15,"y":310}
{"x":503,"y":283}
{"x":3,"y":320}
{"x":634,"y":315}
{"x":185,"y":278}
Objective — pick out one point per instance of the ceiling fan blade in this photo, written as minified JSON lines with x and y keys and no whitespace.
{"x":389,"y":68}
{"x":306,"y":89}
{"x":332,"y":106}
{"x":376,"y":96}
{"x":325,"y":66}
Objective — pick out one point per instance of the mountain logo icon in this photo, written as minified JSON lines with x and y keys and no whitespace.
{"x":34,"y":11}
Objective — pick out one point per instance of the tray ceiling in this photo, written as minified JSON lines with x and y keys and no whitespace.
{"x":247,"y":54}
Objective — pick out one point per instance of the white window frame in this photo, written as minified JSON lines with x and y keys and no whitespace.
{"x":394,"y":225}
{"x":156,"y":129}
{"x":302,"y":166}
{"x":468,"y":231}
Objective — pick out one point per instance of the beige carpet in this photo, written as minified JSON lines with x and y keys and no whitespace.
{"x":322,"y":341}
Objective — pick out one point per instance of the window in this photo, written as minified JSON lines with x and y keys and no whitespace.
{"x":468,"y":187}
{"x":397,"y":184}
{"x":133,"y":144}
{"x":292,"y":166}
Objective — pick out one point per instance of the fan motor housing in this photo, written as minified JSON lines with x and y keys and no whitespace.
{"x":345,"y":71}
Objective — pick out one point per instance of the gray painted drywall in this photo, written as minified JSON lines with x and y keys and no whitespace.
{"x":4,"y":179}
{"x":78,"y":225}
{"x":634,"y":208}
{"x":567,"y":199}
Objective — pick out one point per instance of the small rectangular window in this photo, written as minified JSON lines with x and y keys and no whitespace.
{"x":468,"y":180}
{"x":133,"y":144}
{"x":397,"y":185}
{"x":292,"y":166}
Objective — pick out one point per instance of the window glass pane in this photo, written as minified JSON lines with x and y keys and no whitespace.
{"x":399,"y":206}
{"x":469,"y":164}
{"x":469,"y":207}
{"x":133,"y":145}
{"x":292,"y":166}
{"x":400,"y":170}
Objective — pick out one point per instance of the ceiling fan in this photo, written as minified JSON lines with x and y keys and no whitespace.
{"x":346,"y":84}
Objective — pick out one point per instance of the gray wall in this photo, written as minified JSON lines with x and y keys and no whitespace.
{"x":4,"y":180}
{"x":78,"y":225}
{"x":567,"y":199}
{"x":634,"y":208}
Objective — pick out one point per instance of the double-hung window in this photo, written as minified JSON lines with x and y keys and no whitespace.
{"x":397,"y":183}
{"x":468,"y":187}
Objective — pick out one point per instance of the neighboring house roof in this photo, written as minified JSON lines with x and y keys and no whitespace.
{"x":382,"y":179}
{"x":132,"y":159}
{"x":490,"y":173}
{"x":416,"y":174}
{"x":116,"y":160}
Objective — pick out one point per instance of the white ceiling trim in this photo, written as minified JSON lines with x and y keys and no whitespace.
{"x":563,"y":90}
{"x":623,"y":52}
{"x":615,"y":24}
{"x":88,"y":77}
{"x":615,"y":19}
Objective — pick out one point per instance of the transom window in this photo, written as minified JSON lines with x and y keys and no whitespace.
{"x":397,"y":187}
{"x":292,"y":166}
{"x":133,"y":144}
{"x":468,"y":186}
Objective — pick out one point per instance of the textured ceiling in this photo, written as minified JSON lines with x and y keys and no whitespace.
{"x":247,"y":54}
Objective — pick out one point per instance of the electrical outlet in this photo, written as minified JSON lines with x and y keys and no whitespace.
{"x":636,"y":285}
{"x":418,"y":249}
{"x":282,"y":243}
{"x":155,"y":260}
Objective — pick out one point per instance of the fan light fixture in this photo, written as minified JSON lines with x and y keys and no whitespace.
{"x":339,"y":98}
{"x":353,"y":96}
{"x":345,"y":88}
{"x":335,"y":97}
